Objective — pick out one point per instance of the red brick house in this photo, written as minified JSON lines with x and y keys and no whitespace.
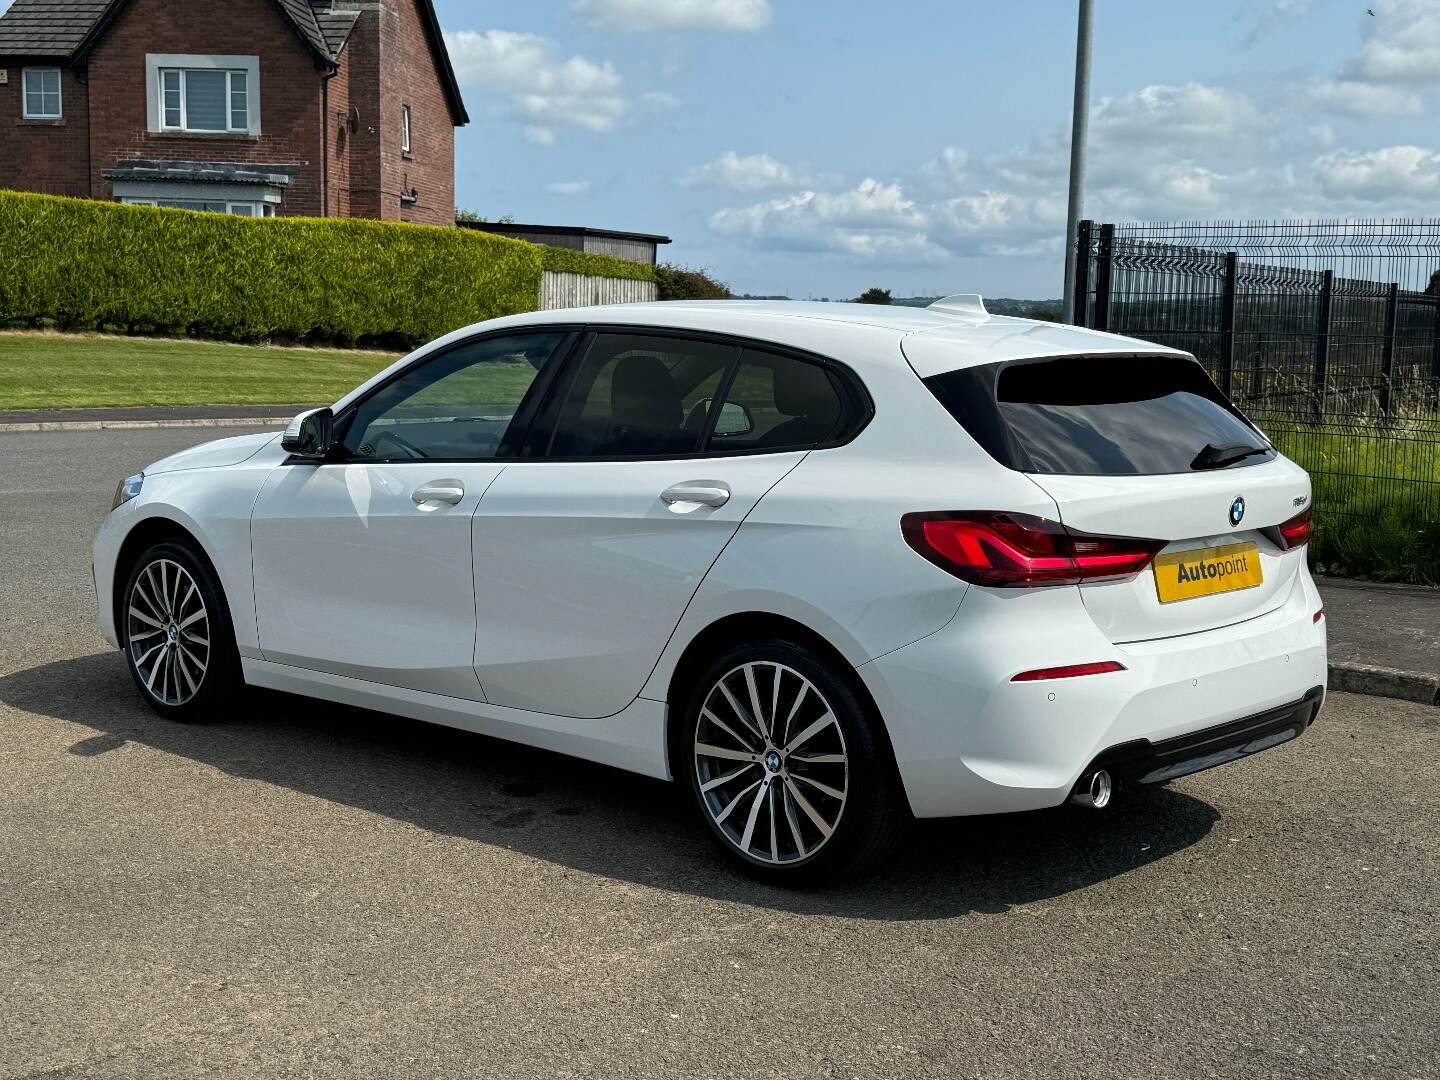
{"x":259,"y":107}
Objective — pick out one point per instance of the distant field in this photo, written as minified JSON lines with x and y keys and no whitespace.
{"x":41,"y":370}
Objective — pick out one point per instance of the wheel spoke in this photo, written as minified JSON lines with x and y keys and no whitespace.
{"x":725,"y":778}
{"x":706,"y":750}
{"x":180,"y":657}
{"x":163,"y":592}
{"x":834,"y":793}
{"x":136,"y":613}
{"x":770,"y":797}
{"x":794,"y":708}
{"x":142,"y":637}
{"x":144,"y":594}
{"x":708,"y":715}
{"x":740,"y":711}
{"x":720,"y":817}
{"x":757,"y":711}
{"x":819,"y":759}
{"x":810,"y":732}
{"x":790,"y":817}
{"x":810,"y":811}
{"x":758,"y":802}
{"x":195,"y":639}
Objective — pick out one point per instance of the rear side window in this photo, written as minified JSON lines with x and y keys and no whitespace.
{"x":776,"y":403}
{"x":1101,"y":416}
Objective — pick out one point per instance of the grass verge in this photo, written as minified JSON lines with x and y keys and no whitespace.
{"x":40,"y":370}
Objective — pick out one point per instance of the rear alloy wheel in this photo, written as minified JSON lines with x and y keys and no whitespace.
{"x":177,"y":634}
{"x":786,"y":767}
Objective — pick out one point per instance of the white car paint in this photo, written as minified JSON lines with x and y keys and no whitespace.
{"x":553,"y":603}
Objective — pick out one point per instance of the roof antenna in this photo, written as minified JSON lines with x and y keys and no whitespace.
{"x":963,"y":305}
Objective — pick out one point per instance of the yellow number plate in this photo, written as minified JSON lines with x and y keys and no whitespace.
{"x":1184,"y":575}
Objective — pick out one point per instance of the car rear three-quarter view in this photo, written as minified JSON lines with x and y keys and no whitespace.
{"x":829,"y":567}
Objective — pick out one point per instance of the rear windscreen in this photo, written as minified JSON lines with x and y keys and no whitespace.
{"x":1101,"y":416}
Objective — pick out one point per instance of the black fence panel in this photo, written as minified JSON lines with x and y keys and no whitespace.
{"x":1326,"y":333}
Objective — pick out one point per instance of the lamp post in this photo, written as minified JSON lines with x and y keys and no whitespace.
{"x":1079,"y":133}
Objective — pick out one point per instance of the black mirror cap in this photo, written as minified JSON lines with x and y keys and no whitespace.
{"x":309,"y":434}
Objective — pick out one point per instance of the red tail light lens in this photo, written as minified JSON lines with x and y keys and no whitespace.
{"x":1005,"y":550}
{"x":1295,"y":532}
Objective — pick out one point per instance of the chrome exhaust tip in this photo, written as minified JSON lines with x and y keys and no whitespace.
{"x":1094,"y":790}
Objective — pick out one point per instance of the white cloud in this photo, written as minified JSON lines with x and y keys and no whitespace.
{"x":541,"y":87}
{"x":749,"y":172}
{"x":1388,"y":175}
{"x":731,"y":15}
{"x":873,"y":220}
{"x":1191,"y":112}
{"x":1356,"y":98}
{"x":569,"y":187}
{"x":659,"y":100}
{"x":1402,"y":45}
{"x":1267,"y":16}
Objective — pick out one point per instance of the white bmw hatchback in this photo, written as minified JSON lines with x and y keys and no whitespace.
{"x":830,"y":567}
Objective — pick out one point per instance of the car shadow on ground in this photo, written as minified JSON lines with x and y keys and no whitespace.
{"x":597,"y":819}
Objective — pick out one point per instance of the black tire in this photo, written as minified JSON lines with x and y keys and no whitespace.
{"x":168,"y":681}
{"x":871,"y":817}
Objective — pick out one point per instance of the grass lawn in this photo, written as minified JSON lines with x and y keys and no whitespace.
{"x":43,"y":370}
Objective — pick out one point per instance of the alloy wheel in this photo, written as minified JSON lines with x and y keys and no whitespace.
{"x":771,"y":763}
{"x":168,"y":630}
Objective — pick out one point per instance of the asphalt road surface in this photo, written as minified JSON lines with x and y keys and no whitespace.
{"x":314,"y":891}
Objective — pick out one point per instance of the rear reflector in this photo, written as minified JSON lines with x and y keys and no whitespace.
{"x":1318,"y":615}
{"x":1293,"y":533}
{"x":1005,"y":550}
{"x":1104,"y":667}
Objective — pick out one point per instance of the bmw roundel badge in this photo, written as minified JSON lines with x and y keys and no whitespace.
{"x":1237,"y":510}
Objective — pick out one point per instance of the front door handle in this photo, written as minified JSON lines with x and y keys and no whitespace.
{"x":449,"y":492}
{"x":690,"y":494}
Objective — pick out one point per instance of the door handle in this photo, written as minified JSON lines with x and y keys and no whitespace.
{"x":690,"y":494}
{"x":438,"y":491}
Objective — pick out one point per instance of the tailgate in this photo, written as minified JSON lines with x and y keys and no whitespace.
{"x":1192,"y":512}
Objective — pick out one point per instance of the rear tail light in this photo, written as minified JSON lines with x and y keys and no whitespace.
{"x":1293,"y":533}
{"x":1318,"y":616}
{"x":1103,"y":667}
{"x":1005,"y":550}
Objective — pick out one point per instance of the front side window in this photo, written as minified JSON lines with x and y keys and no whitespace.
{"x":204,"y":99}
{"x":458,"y":406}
{"x":41,"y":93}
{"x":634,"y":396}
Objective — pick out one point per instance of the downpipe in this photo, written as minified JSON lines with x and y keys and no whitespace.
{"x":1093,"y":790}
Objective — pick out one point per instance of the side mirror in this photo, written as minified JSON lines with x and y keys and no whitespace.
{"x":309,"y":435}
{"x":734,"y":419}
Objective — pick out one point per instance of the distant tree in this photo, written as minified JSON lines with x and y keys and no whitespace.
{"x":684,"y":283}
{"x":1434,"y":283}
{"x":476,"y":216}
{"x":874,"y":296}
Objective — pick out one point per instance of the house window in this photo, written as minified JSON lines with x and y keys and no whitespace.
{"x":214,"y":206}
{"x":204,"y":99}
{"x":208,"y":95}
{"x":41,"y":94}
{"x":405,"y":129}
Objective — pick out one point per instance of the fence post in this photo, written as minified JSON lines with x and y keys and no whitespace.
{"x":1105,"y":266}
{"x":1387,"y":354}
{"x":1435,"y":360}
{"x":1082,"y":241}
{"x":1227,"y":321}
{"x":1322,"y":343}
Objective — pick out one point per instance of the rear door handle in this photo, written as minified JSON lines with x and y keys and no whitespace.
{"x":689,"y":494}
{"x":449,"y":492}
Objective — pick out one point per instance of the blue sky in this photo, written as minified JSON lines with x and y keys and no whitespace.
{"x":820,"y":148}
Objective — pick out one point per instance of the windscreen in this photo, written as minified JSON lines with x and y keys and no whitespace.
{"x":1101,"y":416}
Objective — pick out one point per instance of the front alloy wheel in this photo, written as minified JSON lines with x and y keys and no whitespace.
{"x":168,"y":632}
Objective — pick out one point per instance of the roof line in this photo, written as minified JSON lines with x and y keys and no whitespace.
{"x":102,"y":24}
{"x":447,"y":69}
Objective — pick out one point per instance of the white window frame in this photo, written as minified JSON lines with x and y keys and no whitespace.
{"x":25,"y":112}
{"x":405,"y":129}
{"x":156,"y":64}
{"x":250,"y":209}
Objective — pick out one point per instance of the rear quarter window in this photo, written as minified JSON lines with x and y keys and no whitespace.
{"x":1101,"y":416}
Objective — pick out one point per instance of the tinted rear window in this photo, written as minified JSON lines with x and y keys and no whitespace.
{"x":1101,"y":416}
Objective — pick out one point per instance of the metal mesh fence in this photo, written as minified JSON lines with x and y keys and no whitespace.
{"x":1326,"y":333}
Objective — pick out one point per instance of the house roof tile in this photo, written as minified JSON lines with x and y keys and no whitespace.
{"x":48,"y":27}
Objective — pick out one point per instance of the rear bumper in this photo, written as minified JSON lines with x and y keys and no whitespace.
{"x":1145,"y":762}
{"x":969,"y":740}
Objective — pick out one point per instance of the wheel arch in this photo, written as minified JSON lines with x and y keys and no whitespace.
{"x":144,"y":535}
{"x":737,"y":629}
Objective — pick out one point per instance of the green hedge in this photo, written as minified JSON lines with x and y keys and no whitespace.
{"x":82,"y":264}
{"x":570,"y":261}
